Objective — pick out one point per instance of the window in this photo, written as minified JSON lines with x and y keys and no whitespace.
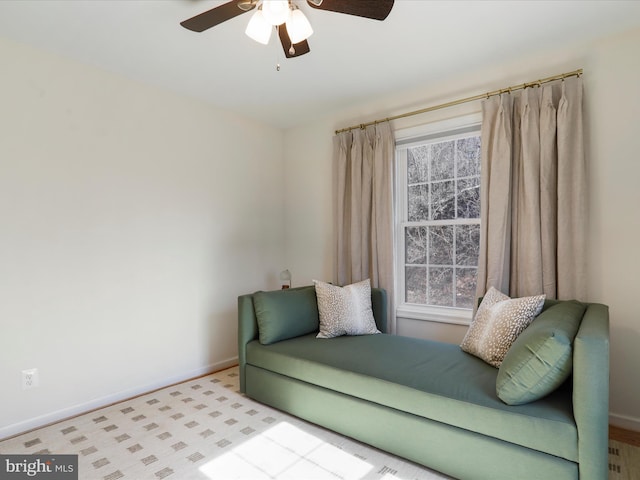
{"x":438,"y":220}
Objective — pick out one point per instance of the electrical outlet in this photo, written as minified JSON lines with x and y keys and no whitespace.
{"x":30,"y":378}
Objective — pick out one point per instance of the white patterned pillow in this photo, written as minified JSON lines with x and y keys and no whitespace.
{"x":345,"y":310}
{"x":498,"y":322}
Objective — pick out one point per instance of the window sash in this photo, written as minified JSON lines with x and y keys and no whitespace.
{"x":452,"y":129}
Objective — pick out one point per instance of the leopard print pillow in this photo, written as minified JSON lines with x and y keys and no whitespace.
{"x":498,"y":322}
{"x":345,"y":310}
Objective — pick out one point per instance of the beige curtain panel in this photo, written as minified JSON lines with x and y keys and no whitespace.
{"x":533,"y":193}
{"x":363,"y":209}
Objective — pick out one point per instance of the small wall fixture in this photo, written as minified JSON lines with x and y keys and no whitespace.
{"x":285,"y":279}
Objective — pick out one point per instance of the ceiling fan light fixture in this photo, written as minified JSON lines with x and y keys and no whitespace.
{"x":276,"y":12}
{"x":298,"y":27}
{"x":259,"y":29}
{"x":270,"y":13}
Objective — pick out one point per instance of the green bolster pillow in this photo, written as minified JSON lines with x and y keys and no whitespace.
{"x":541,"y":358}
{"x":288,"y":313}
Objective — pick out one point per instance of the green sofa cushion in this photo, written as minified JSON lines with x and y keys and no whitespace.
{"x":288,"y":313}
{"x":429,"y":379}
{"x":540,"y":359}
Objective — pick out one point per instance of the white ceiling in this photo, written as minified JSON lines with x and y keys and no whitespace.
{"x":351,"y":58}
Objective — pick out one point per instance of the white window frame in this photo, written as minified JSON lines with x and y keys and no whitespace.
{"x":405,"y":138}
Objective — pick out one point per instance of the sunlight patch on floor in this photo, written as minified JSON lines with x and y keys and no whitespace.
{"x":287,"y":452}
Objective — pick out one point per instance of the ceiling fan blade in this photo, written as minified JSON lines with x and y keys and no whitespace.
{"x":298,"y":48}
{"x":374,"y":9}
{"x":217,"y":15}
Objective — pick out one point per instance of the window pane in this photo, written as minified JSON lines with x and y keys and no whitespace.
{"x":469,"y":198}
{"x":441,"y":286}
{"x":441,"y":245}
{"x":467,"y":245}
{"x":415,"y":245}
{"x":442,"y":200}
{"x":416,"y":284}
{"x":417,"y":162}
{"x":468,"y":156}
{"x":442,"y":161}
{"x":465,"y":287}
{"x":418,"y":203}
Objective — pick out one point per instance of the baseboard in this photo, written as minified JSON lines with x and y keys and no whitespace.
{"x":624,"y":421}
{"x":75,"y":410}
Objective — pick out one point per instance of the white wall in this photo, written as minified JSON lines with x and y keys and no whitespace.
{"x":130,"y":220}
{"x":611,"y":82}
{"x":614,"y":113}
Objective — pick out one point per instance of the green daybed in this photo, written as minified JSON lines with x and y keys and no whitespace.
{"x":426,"y":401}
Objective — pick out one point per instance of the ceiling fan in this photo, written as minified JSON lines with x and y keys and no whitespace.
{"x":292,"y":26}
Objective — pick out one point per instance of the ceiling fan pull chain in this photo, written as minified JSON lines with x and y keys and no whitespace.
{"x":277,"y":27}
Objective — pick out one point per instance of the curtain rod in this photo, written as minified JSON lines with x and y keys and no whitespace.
{"x":562,"y":76}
